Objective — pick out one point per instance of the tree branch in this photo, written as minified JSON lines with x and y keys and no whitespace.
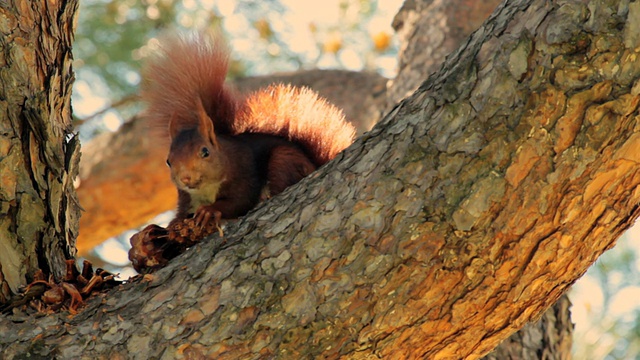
{"x":464,"y":214}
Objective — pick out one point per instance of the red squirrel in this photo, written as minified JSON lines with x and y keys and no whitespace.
{"x":227,"y":149}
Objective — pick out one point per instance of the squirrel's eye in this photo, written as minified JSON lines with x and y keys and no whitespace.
{"x":168,"y":163}
{"x":204,"y":152}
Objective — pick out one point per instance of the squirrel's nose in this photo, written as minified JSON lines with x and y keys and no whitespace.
{"x":187,"y":180}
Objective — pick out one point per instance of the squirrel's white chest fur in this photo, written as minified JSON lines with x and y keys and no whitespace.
{"x":204,"y":195}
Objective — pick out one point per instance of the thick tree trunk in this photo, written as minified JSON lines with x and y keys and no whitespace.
{"x":38,"y":153}
{"x":549,"y":338}
{"x":429,"y":30}
{"x":130,"y":164}
{"x":464,"y":214}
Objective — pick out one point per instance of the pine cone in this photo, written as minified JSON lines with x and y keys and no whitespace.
{"x":154,"y":246}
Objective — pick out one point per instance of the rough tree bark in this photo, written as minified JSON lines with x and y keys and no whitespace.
{"x":429,"y":30}
{"x":38,"y":153}
{"x":466,"y":212}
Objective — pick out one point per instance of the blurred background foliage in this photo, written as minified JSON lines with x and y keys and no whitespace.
{"x":265,"y":37}
{"x":286,"y":35}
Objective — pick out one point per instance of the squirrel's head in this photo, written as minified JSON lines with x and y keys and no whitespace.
{"x":194,"y":157}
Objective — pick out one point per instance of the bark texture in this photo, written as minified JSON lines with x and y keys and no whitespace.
{"x":549,"y":338}
{"x":38,"y":152}
{"x":464,"y":214}
{"x":429,"y":30}
{"x":124,"y":181}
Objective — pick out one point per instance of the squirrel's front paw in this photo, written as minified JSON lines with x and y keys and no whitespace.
{"x":206,"y":214}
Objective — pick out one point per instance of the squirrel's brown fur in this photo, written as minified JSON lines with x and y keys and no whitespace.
{"x":183,"y":70}
{"x":225,"y":148}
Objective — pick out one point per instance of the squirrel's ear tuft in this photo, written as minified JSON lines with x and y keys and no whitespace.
{"x":205,"y":124}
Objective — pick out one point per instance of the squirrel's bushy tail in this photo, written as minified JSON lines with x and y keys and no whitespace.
{"x":301,"y":116}
{"x":186,"y":68}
